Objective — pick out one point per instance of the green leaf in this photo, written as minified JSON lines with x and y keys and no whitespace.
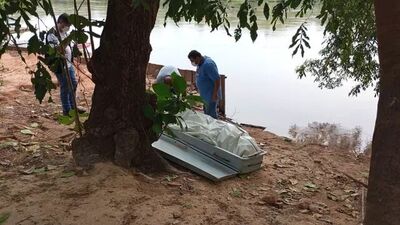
{"x":266,"y":10}
{"x":34,"y":44}
{"x":42,"y":82}
{"x":79,"y":36}
{"x":295,"y":3}
{"x":149,"y":112}
{"x":179,"y":83}
{"x":295,"y":50}
{"x":157,"y":128}
{"x":162,"y":90}
{"x":65,"y":120}
{"x":79,"y":21}
{"x":194,"y":100}
{"x":168,"y":119}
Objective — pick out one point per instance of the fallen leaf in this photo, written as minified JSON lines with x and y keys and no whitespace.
{"x":304,"y":211}
{"x":236,"y":193}
{"x":40,"y":170}
{"x":263,"y":189}
{"x":34,"y":125}
{"x":293,"y":181}
{"x":29,"y":143}
{"x":51,"y":167}
{"x":27,"y":132}
{"x":317,"y":215}
{"x":355,"y":194}
{"x":349,"y":206}
{"x":280,"y":165}
{"x":332,"y":197}
{"x":174,"y":184}
{"x":284,"y":191}
{"x":33,"y":148}
{"x":170,"y":178}
{"x":293,"y":189}
{"x":8,"y":144}
{"x":310,"y":185}
{"x":68,"y":174}
{"x":27,"y":171}
{"x":325,"y":220}
{"x":4,"y":217}
{"x":254,"y":194}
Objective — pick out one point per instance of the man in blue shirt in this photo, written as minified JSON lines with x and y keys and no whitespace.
{"x":207,"y":81}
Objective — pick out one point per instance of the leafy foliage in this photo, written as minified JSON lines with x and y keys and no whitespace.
{"x":350,"y":48}
{"x":15,"y":13}
{"x":42,"y":83}
{"x":300,"y":39}
{"x":170,"y":101}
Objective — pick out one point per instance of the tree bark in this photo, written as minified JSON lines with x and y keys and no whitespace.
{"x":383,"y":200}
{"x":116,"y":128}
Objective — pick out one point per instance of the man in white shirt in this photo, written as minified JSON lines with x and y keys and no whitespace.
{"x":164,"y":75}
{"x":66,"y":95}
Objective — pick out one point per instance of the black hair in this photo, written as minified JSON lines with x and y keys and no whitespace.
{"x":194,"y":54}
{"x":63,"y":18}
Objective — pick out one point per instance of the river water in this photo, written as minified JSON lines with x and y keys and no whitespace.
{"x":262,"y":86}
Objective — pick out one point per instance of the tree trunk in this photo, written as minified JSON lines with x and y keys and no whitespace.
{"x":383,"y":200}
{"x":116,"y":128}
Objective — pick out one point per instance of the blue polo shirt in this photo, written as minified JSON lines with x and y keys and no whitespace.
{"x":207,"y":74}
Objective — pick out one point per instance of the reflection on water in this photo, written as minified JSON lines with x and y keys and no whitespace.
{"x":262,"y":87}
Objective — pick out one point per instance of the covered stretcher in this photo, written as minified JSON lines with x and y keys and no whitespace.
{"x":213,"y":148}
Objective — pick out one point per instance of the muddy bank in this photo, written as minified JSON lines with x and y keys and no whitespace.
{"x":298,"y":184}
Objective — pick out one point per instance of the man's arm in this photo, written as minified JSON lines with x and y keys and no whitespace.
{"x":213,"y":74}
{"x":217,"y":84}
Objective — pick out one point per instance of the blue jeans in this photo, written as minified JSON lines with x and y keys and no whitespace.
{"x":210,"y":108}
{"x":67,"y":95}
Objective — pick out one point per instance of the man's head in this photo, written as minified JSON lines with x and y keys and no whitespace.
{"x":195,"y":57}
{"x":63,"y":23}
{"x":168,"y":80}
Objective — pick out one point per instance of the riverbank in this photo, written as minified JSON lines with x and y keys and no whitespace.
{"x":298,"y":184}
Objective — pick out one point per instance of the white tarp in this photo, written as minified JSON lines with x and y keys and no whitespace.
{"x":218,"y":133}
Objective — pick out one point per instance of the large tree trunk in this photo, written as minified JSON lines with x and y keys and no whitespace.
{"x":383,"y":200}
{"x":117,"y":128}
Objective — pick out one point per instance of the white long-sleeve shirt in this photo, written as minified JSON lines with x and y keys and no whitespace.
{"x":52,"y":39}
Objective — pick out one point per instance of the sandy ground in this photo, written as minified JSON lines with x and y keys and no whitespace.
{"x":298,"y":184}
